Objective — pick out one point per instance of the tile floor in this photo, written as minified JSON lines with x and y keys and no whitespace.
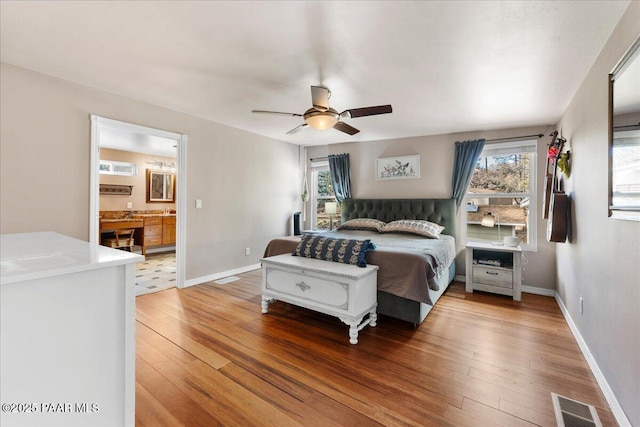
{"x":156,"y":273}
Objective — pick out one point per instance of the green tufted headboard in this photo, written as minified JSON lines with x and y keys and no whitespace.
{"x":440,"y":211}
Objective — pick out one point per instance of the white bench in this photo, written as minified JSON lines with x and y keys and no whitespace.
{"x":346,"y":291}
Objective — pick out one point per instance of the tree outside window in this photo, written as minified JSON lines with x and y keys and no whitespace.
{"x":503,"y":184}
{"x":323,"y":192}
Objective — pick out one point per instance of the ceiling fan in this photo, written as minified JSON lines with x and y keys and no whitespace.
{"x":322,"y":117}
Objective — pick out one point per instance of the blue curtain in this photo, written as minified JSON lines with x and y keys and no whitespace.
{"x":464,"y":162}
{"x":340,"y":175}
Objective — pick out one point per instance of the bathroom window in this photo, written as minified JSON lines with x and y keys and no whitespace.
{"x":111,"y":167}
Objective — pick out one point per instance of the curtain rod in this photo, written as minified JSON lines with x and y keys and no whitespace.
{"x":539,"y":135}
{"x":627,"y":126}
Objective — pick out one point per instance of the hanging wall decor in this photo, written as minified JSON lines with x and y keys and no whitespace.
{"x":398,"y":167}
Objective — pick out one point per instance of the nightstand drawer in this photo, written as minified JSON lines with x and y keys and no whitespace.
{"x":493,"y":276}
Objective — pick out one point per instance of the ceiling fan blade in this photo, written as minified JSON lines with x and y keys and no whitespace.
{"x":367,"y":111}
{"x":343,"y":127}
{"x":276,"y":112}
{"x":320,"y":97}
{"x":296,"y":129}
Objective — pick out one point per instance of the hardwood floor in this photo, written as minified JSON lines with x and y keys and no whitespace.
{"x":206,"y":355}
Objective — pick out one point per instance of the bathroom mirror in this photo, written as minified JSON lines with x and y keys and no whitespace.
{"x":161,"y":186}
{"x":624,"y":136}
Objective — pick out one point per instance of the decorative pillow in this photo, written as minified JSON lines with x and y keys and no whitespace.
{"x":363,"y":224}
{"x":338,"y":250}
{"x":414,"y":226}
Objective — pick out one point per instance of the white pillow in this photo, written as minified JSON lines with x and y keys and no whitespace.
{"x":363,"y":224}
{"x":414,"y":226}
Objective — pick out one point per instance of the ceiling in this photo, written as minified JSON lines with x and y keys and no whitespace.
{"x":140,"y":142}
{"x":445,"y":66}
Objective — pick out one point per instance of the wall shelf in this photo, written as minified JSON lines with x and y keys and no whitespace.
{"x":114,"y":189}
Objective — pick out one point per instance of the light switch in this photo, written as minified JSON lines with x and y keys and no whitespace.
{"x":129,"y":205}
{"x":198,"y":203}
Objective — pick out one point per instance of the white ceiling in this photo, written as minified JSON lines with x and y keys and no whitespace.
{"x":127,"y":140}
{"x":445,"y":66}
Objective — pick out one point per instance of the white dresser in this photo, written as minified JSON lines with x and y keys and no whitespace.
{"x":67,"y":332}
{"x":342,"y":290}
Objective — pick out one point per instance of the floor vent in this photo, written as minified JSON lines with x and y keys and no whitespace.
{"x":227,"y":280}
{"x":571,"y":413}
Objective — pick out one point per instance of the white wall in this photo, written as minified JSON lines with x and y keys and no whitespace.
{"x":601,"y":263}
{"x":249,"y":184}
{"x":436,"y":167}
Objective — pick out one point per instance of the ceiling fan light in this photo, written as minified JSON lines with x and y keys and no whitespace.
{"x":321,"y":120}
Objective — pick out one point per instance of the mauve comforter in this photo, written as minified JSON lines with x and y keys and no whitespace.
{"x":408,"y":265}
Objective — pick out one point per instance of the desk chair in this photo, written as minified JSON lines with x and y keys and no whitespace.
{"x":123,"y":240}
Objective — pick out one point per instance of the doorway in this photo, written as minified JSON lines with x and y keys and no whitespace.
{"x":158,"y":145}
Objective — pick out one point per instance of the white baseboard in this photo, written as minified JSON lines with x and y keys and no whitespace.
{"x":216,"y":276}
{"x":616,"y":409}
{"x":539,"y":291}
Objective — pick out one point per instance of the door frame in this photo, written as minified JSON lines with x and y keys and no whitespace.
{"x":97,"y":124}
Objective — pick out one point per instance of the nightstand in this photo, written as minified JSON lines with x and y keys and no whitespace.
{"x":494,"y":268}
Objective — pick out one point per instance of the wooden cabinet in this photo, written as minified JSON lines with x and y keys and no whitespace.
{"x":152,"y":233}
{"x":157,"y":231}
{"x":169,"y":230}
{"x":493,"y":268}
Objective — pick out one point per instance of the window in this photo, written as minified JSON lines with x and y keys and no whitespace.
{"x":625,"y":170}
{"x":322,"y":192}
{"x":504,"y":185}
{"x":110,"y":167}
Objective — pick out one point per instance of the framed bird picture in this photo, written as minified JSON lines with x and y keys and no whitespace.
{"x":398,"y":167}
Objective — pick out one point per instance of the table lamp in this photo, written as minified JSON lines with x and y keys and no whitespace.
{"x":488,"y":220}
{"x":330,"y":208}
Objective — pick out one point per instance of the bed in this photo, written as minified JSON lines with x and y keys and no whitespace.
{"x":411,"y":277}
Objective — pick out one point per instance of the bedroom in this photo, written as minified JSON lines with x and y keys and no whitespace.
{"x":45,"y":121}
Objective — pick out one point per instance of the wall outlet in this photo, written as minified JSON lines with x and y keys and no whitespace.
{"x":247,"y":251}
{"x":581,"y":306}
{"x":198,"y":203}
{"x":129,"y":205}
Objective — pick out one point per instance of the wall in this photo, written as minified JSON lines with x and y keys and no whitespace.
{"x":436,"y":167}
{"x":138,"y":196}
{"x":600,"y":264}
{"x":249,"y":184}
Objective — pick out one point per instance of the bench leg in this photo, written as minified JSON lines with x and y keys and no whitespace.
{"x":265,"y":304}
{"x":353,"y":333}
{"x":373,"y":318}
{"x":357,"y":324}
